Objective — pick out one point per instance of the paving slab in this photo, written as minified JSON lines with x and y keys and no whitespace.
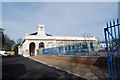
{"x":82,"y":70}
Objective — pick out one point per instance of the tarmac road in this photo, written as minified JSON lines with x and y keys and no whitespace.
{"x":20,"y":67}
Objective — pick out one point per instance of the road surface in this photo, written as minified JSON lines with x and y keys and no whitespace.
{"x":21,"y":67}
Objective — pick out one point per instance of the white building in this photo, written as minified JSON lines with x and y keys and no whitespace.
{"x":102,"y":45}
{"x":32,"y":42}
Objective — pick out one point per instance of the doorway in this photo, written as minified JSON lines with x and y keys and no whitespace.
{"x":41,"y":46}
{"x":32,"y":49}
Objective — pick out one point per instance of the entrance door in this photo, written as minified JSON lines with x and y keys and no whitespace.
{"x":32,"y":49}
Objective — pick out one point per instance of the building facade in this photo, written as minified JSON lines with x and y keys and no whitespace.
{"x":39,"y":40}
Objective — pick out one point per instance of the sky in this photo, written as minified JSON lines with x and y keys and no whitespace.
{"x":59,"y":18}
{"x":119,"y":10}
{"x":0,"y":14}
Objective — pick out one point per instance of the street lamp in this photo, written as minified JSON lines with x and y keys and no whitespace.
{"x":1,"y":38}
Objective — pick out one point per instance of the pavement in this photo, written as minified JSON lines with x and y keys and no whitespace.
{"x":85,"y":71}
{"x":19,"y":67}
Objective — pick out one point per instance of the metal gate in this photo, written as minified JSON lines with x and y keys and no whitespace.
{"x":112,"y":37}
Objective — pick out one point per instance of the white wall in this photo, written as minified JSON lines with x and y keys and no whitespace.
{"x":48,"y":43}
{"x":24,"y":49}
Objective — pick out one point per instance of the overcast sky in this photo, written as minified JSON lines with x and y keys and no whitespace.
{"x":60,"y":19}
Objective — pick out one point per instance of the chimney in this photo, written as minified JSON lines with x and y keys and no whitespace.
{"x":41,"y":30}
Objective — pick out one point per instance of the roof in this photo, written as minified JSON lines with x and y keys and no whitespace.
{"x":37,"y":33}
{"x":1,"y":29}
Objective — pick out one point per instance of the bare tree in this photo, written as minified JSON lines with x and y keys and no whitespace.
{"x":7,"y":43}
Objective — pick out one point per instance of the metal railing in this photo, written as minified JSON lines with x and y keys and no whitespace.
{"x":112,"y":37}
{"x":78,"y":49}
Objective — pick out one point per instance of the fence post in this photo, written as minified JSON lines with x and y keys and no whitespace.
{"x":112,"y":42}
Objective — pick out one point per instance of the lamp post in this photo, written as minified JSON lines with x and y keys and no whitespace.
{"x":1,"y":38}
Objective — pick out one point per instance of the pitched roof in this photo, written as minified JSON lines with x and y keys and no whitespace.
{"x":35,"y":33}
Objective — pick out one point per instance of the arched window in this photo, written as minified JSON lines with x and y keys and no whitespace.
{"x":41,"y":45}
{"x":50,"y":45}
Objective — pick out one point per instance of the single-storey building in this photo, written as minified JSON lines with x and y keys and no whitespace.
{"x":39,"y":40}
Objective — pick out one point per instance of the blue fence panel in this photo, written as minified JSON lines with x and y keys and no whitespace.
{"x":79,"y":49}
{"x":112,"y":37}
